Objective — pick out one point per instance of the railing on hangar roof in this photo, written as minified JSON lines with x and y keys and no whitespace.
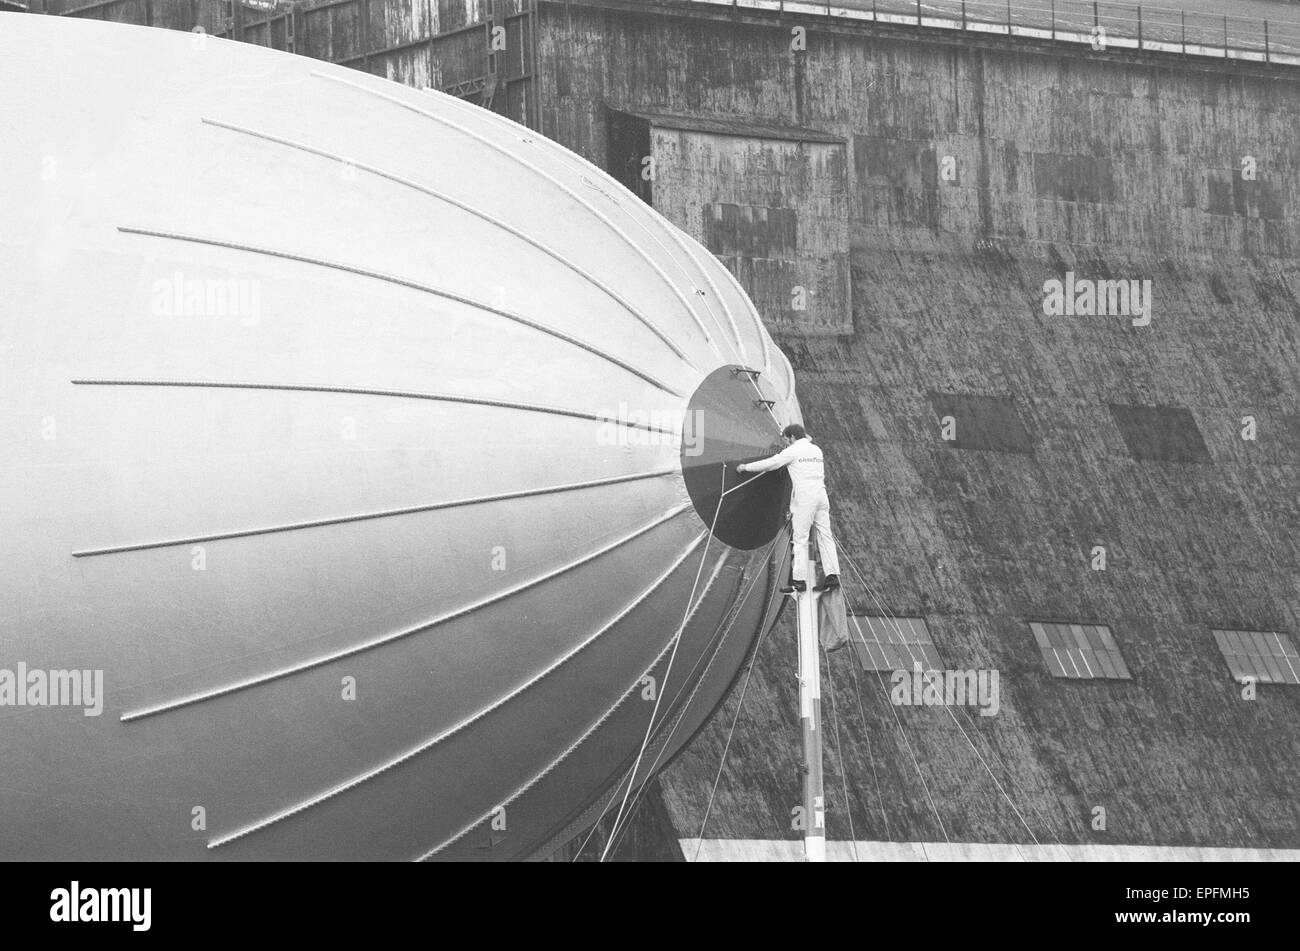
{"x":1096,"y":24}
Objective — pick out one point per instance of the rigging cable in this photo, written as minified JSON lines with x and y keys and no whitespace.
{"x":898,"y":628}
{"x":663,"y":745}
{"x":890,"y":617}
{"x":871,"y":756}
{"x":677,"y":641}
{"x":903,"y":733}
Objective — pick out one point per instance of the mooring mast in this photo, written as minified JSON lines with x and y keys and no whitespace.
{"x":810,"y":716}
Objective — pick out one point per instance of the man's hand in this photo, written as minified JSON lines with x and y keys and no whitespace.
{"x":742,"y":467}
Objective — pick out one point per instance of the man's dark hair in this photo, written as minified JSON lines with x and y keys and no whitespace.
{"x":794,"y":431}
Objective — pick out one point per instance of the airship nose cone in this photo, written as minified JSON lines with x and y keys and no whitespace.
{"x":730,"y":420}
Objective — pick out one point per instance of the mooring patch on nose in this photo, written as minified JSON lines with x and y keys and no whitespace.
{"x":727,"y":422}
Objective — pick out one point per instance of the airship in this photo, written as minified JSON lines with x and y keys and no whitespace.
{"x":365,"y":465}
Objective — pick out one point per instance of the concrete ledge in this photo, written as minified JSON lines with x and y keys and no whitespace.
{"x":791,"y":850}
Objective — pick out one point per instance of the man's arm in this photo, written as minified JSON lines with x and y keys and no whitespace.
{"x":782,"y":458}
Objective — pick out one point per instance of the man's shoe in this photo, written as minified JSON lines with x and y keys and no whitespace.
{"x":799,"y":586}
{"x":829,"y":583}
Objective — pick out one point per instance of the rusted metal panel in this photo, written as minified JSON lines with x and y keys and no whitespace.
{"x":454,"y":14}
{"x":461,"y":55}
{"x":342,"y":32}
{"x":411,"y":67}
{"x":115,"y":11}
{"x":791,"y":253}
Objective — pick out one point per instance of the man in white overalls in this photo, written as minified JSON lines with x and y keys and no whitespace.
{"x":809,"y":504}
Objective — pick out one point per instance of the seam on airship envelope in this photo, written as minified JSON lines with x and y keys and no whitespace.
{"x":579,"y":164}
{"x":405,"y":632}
{"x":575,"y":162}
{"x":567,"y":159}
{"x":406,"y":282}
{"x":789,"y":376}
{"x":468,"y":721}
{"x":631,"y":776}
{"x":708,"y":337}
{"x":683,"y":242}
{"x":659,"y":742}
{"x":678,"y":238}
{"x":600,"y":721}
{"x":774,"y":569}
{"x":758,"y":321}
{"x":374,"y":391}
{"x":490,"y":219}
{"x":367,"y":516}
{"x":728,"y":622}
{"x":677,"y":640}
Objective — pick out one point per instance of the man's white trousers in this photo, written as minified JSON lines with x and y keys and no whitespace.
{"x":809,"y":510}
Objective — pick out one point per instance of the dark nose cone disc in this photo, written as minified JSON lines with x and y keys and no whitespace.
{"x":726,"y":424}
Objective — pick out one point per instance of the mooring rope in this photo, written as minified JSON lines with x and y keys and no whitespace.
{"x":740,"y":705}
{"x":639,"y":796}
{"x":677,"y":641}
{"x":630,"y":776}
